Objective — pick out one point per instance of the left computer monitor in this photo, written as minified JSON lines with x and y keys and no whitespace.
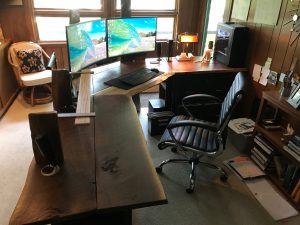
{"x":86,"y":43}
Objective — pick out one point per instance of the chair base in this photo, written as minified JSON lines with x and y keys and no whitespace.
{"x":37,"y":94}
{"x":193,"y":162}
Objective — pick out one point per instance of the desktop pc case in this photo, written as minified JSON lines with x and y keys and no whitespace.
{"x":231,"y":44}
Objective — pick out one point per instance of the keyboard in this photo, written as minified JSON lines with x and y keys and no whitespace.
{"x":138,"y":76}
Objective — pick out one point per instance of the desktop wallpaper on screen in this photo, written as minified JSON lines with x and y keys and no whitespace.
{"x":86,"y":43}
{"x":131,"y":35}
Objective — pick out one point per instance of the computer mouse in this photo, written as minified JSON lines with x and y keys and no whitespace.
{"x":154,"y":70}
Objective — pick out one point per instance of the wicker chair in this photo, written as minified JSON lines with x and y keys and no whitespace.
{"x":27,"y":61}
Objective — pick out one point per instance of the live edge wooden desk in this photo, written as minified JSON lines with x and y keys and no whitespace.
{"x":107,"y":169}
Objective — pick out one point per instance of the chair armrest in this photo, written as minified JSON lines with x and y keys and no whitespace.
{"x":201,"y":99}
{"x":201,"y":124}
{"x":52,"y":61}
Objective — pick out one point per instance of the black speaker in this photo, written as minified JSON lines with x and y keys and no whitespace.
{"x":62,"y":91}
{"x":74,"y":15}
{"x":46,"y":142}
{"x":170,"y":50}
{"x":158,"y":50}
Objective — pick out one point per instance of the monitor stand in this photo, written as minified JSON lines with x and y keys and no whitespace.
{"x":139,"y":58}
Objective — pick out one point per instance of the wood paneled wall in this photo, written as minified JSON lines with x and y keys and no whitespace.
{"x":269,"y":41}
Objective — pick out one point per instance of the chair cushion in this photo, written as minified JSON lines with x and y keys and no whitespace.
{"x":31,"y":61}
{"x":38,"y":78}
{"x":190,"y":136}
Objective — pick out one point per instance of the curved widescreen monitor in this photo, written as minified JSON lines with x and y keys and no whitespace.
{"x":86,"y":43}
{"x":131,"y":35}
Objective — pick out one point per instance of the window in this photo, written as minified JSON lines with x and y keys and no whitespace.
{"x":51,"y":16}
{"x":215,"y":16}
{"x":165,"y":24}
{"x":67,"y":4}
{"x":150,"y":5}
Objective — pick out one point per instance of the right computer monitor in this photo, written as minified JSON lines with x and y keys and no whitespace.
{"x":131,"y":35}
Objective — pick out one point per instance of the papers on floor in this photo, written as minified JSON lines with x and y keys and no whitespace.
{"x":270,"y":199}
{"x":241,"y":125}
{"x":244,"y":168}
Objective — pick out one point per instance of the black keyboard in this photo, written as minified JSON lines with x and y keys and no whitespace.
{"x":137,"y":77}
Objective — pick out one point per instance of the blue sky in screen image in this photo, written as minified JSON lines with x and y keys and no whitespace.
{"x":142,"y":24}
{"x":95,"y":29}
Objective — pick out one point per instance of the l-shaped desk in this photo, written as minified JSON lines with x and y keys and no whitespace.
{"x":107,"y":168}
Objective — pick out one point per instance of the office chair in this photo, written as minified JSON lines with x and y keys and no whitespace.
{"x":200,"y":137}
{"x":27,"y":61}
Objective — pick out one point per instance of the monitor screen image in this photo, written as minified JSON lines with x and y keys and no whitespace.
{"x":86,"y":43}
{"x":131,"y":35}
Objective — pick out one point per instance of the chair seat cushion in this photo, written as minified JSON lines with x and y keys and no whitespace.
{"x":38,"y":78}
{"x":192,"y":137}
{"x":31,"y":60}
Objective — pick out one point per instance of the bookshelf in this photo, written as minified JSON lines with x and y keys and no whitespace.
{"x":285,"y":172}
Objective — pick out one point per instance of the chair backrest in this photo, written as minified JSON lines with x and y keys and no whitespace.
{"x":15,"y":62}
{"x":233,"y":97}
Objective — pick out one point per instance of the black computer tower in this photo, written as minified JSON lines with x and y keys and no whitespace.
{"x":231,"y":44}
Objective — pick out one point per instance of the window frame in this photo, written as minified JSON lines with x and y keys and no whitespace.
{"x":108,"y":10}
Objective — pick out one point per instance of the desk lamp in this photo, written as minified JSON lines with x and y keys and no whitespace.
{"x":186,"y":38}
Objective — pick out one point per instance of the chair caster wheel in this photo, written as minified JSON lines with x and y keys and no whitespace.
{"x":189,"y":190}
{"x":223,"y":177}
{"x":158,"y":169}
{"x":174,"y":149}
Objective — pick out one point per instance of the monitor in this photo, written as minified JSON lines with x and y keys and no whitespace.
{"x":86,"y":43}
{"x":131,"y":35}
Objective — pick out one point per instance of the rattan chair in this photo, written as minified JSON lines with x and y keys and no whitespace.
{"x":33,"y":75}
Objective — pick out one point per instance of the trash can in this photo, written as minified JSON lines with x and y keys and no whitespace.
{"x":240,"y":134}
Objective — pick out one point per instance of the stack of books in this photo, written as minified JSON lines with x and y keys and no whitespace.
{"x":291,"y":181}
{"x":293,"y":147}
{"x":262,"y":153}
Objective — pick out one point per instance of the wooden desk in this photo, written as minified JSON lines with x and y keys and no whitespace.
{"x":117,"y":69}
{"x":107,"y":171}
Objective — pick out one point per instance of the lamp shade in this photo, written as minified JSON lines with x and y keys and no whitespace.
{"x":188,"y":38}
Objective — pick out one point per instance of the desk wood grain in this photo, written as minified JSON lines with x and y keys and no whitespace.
{"x":70,"y":193}
{"x":126,"y":176}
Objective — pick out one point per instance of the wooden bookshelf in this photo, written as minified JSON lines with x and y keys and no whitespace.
{"x":275,"y":137}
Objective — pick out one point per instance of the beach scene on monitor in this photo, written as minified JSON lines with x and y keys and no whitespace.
{"x":86,"y":43}
{"x":131,"y":35}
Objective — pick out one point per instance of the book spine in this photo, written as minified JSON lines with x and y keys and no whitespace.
{"x":263,"y":147}
{"x":296,"y":189}
{"x":260,"y":155}
{"x":291,"y":152}
{"x":257,"y":162}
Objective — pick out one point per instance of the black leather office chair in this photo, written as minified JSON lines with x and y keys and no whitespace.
{"x":201,"y":137}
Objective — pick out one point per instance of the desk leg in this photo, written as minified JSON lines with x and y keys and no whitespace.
{"x":137,"y":102}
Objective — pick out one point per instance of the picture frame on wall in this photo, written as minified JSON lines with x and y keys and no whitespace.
{"x":294,"y":98}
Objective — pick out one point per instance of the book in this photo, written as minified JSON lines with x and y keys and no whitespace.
{"x":296,"y":140}
{"x":291,"y":152}
{"x":294,"y":147}
{"x":296,"y":189}
{"x":245,"y":168}
{"x":262,"y":146}
{"x":261,"y":155}
{"x":294,"y":179}
{"x":258,"y":162}
{"x":278,"y":166}
{"x":288,"y":175}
